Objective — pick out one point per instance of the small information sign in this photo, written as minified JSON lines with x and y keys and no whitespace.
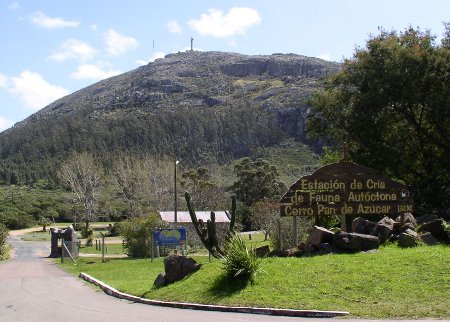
{"x":170,"y":237}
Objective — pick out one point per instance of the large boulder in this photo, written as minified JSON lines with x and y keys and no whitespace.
{"x":382,"y":229}
{"x":355,"y":242}
{"x":408,"y":238}
{"x":388,"y":222}
{"x":320,"y":235}
{"x":262,"y":251}
{"x":429,"y":239}
{"x":176,"y":268}
{"x":426,"y":218}
{"x":407,"y":219}
{"x":435,"y":228}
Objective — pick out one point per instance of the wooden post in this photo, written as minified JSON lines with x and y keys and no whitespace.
{"x":62,"y":250}
{"x":153,"y":246}
{"x":103,"y":247}
{"x":343,"y":223}
{"x":295,"y":227}
{"x":280,"y":240}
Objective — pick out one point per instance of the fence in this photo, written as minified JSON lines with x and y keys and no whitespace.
{"x":71,"y":249}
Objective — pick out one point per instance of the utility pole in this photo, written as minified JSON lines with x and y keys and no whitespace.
{"x":192,"y":44}
{"x":175,"y":204}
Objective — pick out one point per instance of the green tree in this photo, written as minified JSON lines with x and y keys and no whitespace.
{"x":391,"y":104}
{"x":256,"y":180}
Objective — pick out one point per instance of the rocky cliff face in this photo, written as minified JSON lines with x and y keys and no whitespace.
{"x":203,"y":79}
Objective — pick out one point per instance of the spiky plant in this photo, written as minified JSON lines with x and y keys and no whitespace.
{"x":239,"y":261}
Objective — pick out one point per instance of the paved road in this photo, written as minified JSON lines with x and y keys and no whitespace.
{"x":33,"y":288}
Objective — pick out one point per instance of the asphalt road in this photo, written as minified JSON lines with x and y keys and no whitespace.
{"x":33,"y":288}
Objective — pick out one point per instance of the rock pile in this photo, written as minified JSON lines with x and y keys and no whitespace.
{"x":367,"y":235}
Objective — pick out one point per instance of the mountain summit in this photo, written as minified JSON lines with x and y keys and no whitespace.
{"x":193,"y":104}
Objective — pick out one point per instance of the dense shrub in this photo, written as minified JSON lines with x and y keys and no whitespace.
{"x":240,"y":262}
{"x":3,"y":235}
{"x":114,"y":230}
{"x":137,"y":233}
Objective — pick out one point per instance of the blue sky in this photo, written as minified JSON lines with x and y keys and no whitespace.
{"x":52,"y":48}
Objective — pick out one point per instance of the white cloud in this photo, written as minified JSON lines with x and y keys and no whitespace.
{"x":14,"y":6}
{"x":93,"y":27}
{"x":74,"y":49}
{"x":93,"y":72}
{"x":174,"y":27}
{"x":325,"y":57}
{"x":42,"y":20}
{"x":219,"y":24}
{"x":117,"y":44}
{"x":154,"y":57}
{"x":3,"y":80}
{"x":34,"y":91}
{"x":5,"y":123}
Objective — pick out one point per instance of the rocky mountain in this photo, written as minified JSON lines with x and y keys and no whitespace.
{"x":203,"y":106}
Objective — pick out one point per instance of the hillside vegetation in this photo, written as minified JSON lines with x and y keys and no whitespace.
{"x":202,"y":107}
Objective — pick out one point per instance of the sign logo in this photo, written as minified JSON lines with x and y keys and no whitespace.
{"x":170,"y":236}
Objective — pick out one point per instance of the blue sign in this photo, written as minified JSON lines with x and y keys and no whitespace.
{"x":170,"y":236}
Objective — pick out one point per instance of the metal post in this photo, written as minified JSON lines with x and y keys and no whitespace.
{"x":175,"y":191}
{"x":295,"y":227}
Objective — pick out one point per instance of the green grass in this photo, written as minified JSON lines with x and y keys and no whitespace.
{"x":393,"y":283}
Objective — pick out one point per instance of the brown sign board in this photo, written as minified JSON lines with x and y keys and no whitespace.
{"x":345,"y":188}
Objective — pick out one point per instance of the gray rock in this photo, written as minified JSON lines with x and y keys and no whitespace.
{"x":382,"y":229}
{"x":386,"y":221}
{"x":355,"y":242}
{"x":425,"y":218}
{"x":177,"y":267}
{"x":408,"y":238}
{"x":429,"y":239}
{"x":320,"y":235}
{"x":262,"y":251}
{"x":405,"y":219}
{"x":326,"y":248}
{"x":436,"y":228}
{"x":160,"y":280}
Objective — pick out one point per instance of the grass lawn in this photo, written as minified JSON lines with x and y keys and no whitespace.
{"x":393,"y":283}
{"x":112,"y":249}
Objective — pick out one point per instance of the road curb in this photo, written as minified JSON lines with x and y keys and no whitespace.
{"x":194,"y":306}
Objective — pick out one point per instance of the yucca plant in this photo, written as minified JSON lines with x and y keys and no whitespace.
{"x":240,"y":262}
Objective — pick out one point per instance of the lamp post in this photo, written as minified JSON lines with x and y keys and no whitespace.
{"x":175,"y":190}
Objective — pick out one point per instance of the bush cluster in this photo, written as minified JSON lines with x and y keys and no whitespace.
{"x":3,"y":235}
{"x":137,"y":233}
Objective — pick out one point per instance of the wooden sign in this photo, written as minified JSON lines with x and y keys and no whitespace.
{"x":345,"y":188}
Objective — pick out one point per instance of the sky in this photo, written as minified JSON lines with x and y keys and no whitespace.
{"x":51,"y":48}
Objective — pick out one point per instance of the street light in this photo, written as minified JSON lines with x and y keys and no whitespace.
{"x":175,"y":189}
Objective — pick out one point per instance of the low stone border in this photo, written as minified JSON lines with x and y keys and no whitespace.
{"x":194,"y":306}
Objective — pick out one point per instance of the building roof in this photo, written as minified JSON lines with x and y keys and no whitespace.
{"x":184,"y":217}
